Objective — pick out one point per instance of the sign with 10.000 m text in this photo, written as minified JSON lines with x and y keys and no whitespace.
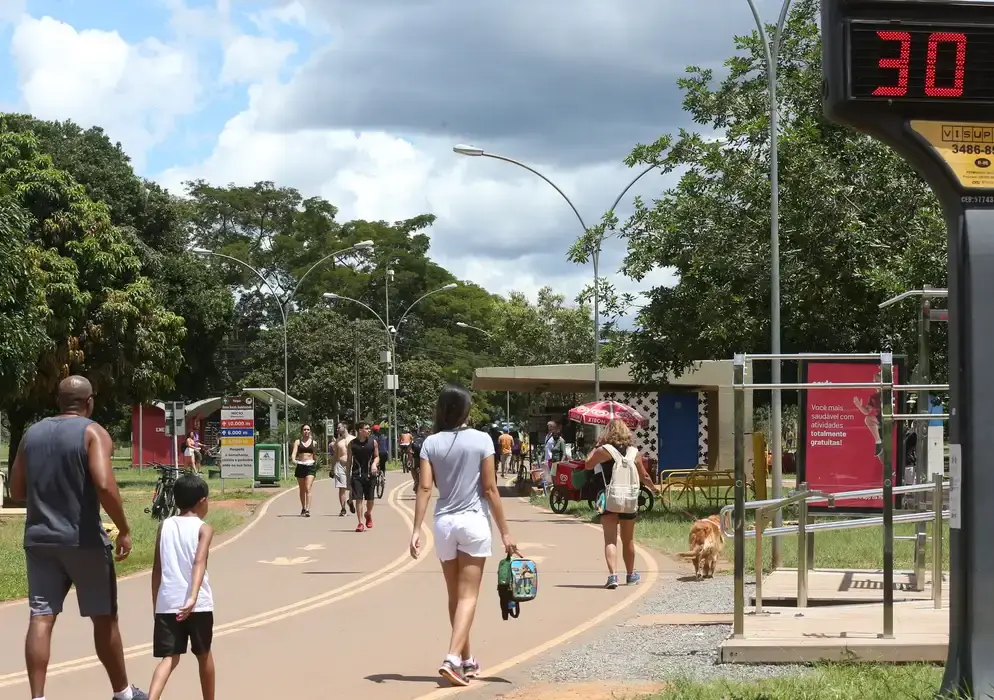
{"x":237,"y":437}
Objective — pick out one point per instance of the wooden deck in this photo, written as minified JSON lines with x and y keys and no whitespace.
{"x":836,"y":586}
{"x":842,"y":633}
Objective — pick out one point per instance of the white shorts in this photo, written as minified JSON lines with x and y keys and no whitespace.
{"x":467,"y":532}
{"x":341,"y":481}
{"x":505,"y":461}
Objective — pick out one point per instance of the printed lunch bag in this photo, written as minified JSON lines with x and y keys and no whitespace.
{"x":517,"y":582}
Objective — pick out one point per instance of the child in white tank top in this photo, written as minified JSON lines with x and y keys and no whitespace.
{"x":181,"y":591}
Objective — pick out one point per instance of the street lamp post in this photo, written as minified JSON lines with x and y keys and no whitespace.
{"x":771,"y":56}
{"x":391,"y":339}
{"x":284,"y":306}
{"x":595,"y":248}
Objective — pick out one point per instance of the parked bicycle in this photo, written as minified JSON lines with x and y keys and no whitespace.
{"x":163,"y":502}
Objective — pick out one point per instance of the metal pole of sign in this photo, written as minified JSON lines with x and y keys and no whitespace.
{"x":887,"y":464}
{"x":738,"y":383}
{"x":758,"y":595}
{"x":141,"y":436}
{"x":772,"y":56}
{"x":937,"y":542}
{"x":921,"y":443}
{"x":802,"y":548}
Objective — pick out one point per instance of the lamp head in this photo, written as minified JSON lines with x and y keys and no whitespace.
{"x":363,"y":245}
{"x":329,"y":295}
{"x":201,"y":251}
{"x":464,"y":150}
{"x":462,"y":325}
{"x":453,"y":285}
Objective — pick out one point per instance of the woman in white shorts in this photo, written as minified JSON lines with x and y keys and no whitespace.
{"x":461,"y":461}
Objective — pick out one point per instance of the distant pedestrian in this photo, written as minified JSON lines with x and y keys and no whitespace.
{"x":382,"y":438}
{"x":181,"y":590}
{"x":63,"y":470}
{"x":461,"y":461}
{"x":340,"y":468}
{"x":363,"y":468}
{"x":304,"y":452}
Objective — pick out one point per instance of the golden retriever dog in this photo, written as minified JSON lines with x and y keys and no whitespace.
{"x":706,"y":543}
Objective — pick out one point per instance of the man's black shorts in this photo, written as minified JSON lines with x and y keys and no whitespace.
{"x":170,"y":636}
{"x":363,"y":488}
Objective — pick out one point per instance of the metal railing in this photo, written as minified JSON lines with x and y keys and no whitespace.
{"x":803,"y":530}
{"x":887,"y":388}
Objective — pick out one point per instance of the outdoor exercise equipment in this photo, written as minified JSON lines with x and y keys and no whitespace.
{"x":919,"y":76}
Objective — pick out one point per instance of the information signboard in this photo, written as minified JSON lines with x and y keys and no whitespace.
{"x":842,"y":434}
{"x":237,"y":437}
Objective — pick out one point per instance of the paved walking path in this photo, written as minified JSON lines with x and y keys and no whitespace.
{"x":309,"y":609}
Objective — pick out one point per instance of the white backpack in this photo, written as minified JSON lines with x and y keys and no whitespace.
{"x":622,"y":494}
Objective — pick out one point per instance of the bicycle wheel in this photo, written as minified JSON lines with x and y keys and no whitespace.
{"x":171,"y":508}
{"x":158,"y":502}
{"x":381,"y":483}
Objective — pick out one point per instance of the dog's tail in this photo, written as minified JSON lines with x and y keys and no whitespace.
{"x":694,"y":553}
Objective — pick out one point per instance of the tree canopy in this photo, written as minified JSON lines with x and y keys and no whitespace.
{"x":857,"y":224}
{"x":103,"y":261}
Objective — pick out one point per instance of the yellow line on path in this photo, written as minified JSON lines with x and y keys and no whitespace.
{"x":390,"y":571}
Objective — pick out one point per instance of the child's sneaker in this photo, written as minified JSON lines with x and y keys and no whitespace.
{"x":452,"y":673}
{"x":470,"y":668}
{"x":612,"y":582}
{"x":633,"y":579}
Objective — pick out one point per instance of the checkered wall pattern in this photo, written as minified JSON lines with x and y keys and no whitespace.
{"x":647,"y":403}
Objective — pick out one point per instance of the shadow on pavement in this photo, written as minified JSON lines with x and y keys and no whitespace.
{"x":579,"y":585}
{"x":437,"y":680}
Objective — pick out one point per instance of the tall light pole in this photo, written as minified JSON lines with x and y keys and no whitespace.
{"x":284,"y":306}
{"x":595,"y":248}
{"x":391,"y":337}
{"x":771,"y":56}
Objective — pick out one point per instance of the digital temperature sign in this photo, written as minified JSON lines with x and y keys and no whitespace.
{"x":908,"y":61}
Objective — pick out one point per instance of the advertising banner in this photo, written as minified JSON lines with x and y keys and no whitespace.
{"x":237,"y":437}
{"x":843,"y":449}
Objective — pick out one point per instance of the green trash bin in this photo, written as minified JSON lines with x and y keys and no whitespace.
{"x":268,"y":463}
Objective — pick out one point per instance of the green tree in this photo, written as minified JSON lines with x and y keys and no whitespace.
{"x":22,"y":300}
{"x":107,"y":321}
{"x":857,"y":224}
{"x":420,"y":383}
{"x":154,"y":217}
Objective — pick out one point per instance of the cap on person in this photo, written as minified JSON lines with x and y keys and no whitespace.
{"x":376,"y":428}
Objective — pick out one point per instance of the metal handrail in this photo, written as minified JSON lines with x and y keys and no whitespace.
{"x":724,"y":515}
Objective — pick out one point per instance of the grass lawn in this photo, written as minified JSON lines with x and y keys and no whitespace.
{"x":860,"y":548}
{"x":830,"y":682}
{"x":233,"y":507}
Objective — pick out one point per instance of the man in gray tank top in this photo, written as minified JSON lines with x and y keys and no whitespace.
{"x":63,"y":472}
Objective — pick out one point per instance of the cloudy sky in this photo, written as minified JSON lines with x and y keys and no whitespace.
{"x":361,"y":101}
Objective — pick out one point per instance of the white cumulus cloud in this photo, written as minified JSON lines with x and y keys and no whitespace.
{"x":134,"y":91}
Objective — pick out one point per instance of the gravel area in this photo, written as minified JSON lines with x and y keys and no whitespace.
{"x":664,"y":652}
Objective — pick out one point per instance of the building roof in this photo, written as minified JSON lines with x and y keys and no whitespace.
{"x":707,"y":374}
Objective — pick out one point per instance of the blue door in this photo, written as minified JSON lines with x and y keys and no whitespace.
{"x":677,"y":430}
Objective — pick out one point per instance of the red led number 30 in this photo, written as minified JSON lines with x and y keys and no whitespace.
{"x":902,"y":62}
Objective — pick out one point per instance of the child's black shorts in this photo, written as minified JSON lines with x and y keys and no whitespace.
{"x":170,"y":636}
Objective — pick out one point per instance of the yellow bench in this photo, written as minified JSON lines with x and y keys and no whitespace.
{"x":717,"y":488}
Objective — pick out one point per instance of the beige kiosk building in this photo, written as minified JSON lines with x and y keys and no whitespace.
{"x":691,"y":417}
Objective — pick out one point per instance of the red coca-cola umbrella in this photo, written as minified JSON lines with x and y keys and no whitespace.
{"x":600,"y":412}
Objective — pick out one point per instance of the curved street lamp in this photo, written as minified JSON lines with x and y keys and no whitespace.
{"x":595,"y":248}
{"x":391,"y":332}
{"x":284,"y":305}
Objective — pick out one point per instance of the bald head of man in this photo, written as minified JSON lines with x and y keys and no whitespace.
{"x":76,"y":396}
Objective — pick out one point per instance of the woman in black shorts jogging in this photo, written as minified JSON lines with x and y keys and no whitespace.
{"x":617,"y":434}
{"x":304,"y":453}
